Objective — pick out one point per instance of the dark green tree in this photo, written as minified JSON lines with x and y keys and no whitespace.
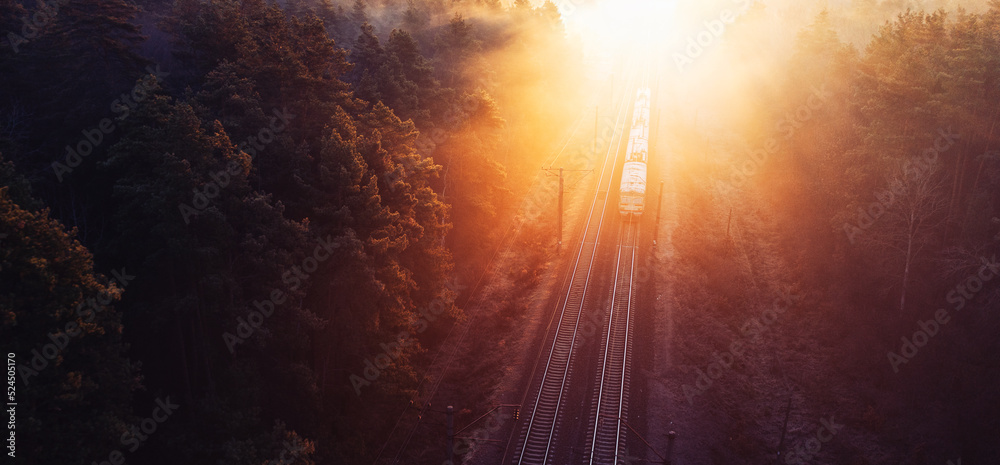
{"x":74,"y":380}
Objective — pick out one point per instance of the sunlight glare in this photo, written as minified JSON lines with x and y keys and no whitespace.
{"x":606,"y":26}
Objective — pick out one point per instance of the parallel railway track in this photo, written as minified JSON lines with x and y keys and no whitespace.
{"x":606,"y":438}
{"x":545,"y":417}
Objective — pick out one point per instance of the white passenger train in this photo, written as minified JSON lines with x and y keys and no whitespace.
{"x":632,"y":195}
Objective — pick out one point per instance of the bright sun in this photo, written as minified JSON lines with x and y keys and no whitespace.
{"x":617,"y":22}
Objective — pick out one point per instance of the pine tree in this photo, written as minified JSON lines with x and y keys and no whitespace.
{"x":59,"y":321}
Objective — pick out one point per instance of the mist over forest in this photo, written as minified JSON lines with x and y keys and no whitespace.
{"x":248,"y":232}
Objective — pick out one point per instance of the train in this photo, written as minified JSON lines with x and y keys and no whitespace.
{"x":632,"y":194}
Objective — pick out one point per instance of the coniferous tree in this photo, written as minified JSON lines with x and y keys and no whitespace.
{"x":75,"y":382}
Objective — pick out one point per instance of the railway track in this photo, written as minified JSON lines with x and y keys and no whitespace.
{"x":606,"y":439}
{"x":477,"y":298}
{"x":610,"y":406}
{"x":544,"y":418}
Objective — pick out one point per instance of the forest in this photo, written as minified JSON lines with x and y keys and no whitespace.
{"x":229,"y":205}
{"x":861,"y":183}
{"x":238,"y":231}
